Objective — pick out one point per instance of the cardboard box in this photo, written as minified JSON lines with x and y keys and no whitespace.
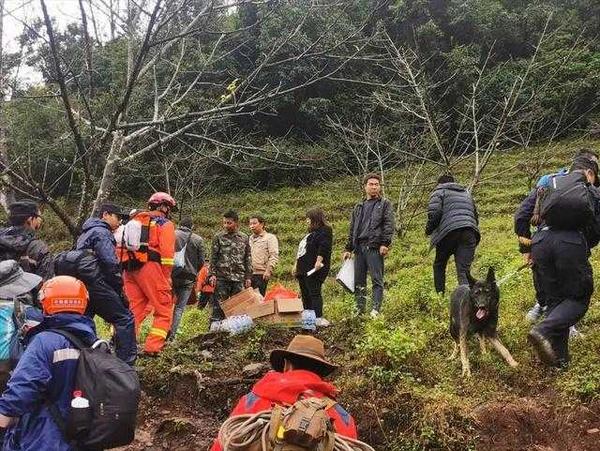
{"x":284,"y":312}
{"x":239,"y":304}
{"x":288,"y":312}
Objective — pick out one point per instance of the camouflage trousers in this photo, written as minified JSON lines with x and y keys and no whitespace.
{"x":224,"y":290}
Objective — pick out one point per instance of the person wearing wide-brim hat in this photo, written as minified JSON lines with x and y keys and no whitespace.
{"x":298,"y":371}
{"x":14,"y":284}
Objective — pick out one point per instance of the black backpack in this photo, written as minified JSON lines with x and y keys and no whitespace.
{"x":81,"y":264}
{"x":15,"y":247}
{"x":566,"y":202}
{"x":113,"y":390}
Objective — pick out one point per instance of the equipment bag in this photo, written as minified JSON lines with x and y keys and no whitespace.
{"x":16,"y":247}
{"x":179,"y":257}
{"x":566,"y":203}
{"x":136,"y":232}
{"x":305,"y":425}
{"x":81,"y":264}
{"x":113,"y":390}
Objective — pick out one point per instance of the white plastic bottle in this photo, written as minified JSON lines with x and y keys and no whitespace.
{"x":78,"y":401}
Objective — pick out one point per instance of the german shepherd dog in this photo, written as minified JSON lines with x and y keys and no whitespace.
{"x":474,"y":310}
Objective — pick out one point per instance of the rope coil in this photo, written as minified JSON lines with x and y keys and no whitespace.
{"x":245,"y":432}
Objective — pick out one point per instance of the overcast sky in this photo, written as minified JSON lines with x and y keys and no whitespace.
{"x":17,"y":12}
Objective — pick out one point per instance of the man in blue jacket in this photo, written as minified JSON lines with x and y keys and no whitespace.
{"x":45,"y":375}
{"x":526,"y":217}
{"x":107,"y":299}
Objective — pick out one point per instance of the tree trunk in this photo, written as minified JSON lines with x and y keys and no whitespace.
{"x":7,"y":195}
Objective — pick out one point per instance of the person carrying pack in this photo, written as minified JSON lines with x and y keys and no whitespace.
{"x":45,"y":374}
{"x":569,"y":227}
{"x":17,"y":288}
{"x":94,"y":261}
{"x":283,"y":397}
{"x":146,"y":249}
{"x":188,"y":261}
{"x":18,"y":241}
{"x":528,"y":215}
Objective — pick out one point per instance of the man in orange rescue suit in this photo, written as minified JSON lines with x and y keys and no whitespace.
{"x":147,"y":270}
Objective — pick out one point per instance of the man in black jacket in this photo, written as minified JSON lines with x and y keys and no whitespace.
{"x":560,"y":254}
{"x":18,"y":241}
{"x":452,"y":222}
{"x":370,"y":236}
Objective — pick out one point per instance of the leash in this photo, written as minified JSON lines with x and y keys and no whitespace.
{"x":507,"y":277}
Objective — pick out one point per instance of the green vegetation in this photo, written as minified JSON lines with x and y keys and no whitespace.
{"x":395,"y":374}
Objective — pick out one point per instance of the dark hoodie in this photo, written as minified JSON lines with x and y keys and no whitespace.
{"x":45,"y":373}
{"x":19,"y":243}
{"x":450,"y":207}
{"x":97,"y":236}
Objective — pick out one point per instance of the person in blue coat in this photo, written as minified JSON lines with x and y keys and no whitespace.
{"x":45,"y":375}
{"x":107,"y":298}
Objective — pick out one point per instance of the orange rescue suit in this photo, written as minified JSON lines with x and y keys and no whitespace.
{"x":149,"y":287}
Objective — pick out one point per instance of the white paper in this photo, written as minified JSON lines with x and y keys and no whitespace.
{"x":311,"y":272}
{"x":346,"y":275}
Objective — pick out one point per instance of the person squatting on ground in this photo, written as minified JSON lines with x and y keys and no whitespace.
{"x":147,"y":272}
{"x":107,"y":298}
{"x":313,"y":262}
{"x":230,"y":267}
{"x":569,"y":228}
{"x":526,"y":217}
{"x":265,"y":253}
{"x":45,"y":374}
{"x":453,"y":224}
{"x":18,"y":241}
{"x":184,"y":278}
{"x":370,"y":236}
{"x":299,"y":371}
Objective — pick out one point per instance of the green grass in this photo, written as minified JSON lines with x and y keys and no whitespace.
{"x":395,"y":369}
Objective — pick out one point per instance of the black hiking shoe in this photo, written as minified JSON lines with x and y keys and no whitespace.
{"x":543,"y":348}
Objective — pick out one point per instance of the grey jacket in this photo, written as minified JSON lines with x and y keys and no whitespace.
{"x":194,"y":257}
{"x":381,"y":225}
{"x":450,"y":207}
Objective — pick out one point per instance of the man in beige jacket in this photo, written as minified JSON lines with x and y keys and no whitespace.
{"x":265,"y":253}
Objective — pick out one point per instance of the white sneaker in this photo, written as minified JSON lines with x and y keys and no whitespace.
{"x":374,"y":313}
{"x":574,"y":333}
{"x":322,"y":322}
{"x":535,"y":313}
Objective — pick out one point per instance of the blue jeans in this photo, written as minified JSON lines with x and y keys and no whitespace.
{"x":182,"y":295}
{"x":368,"y":260}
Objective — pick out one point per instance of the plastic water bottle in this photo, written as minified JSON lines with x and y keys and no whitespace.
{"x":78,"y":401}
{"x":309,"y":320}
{"x":80,"y":415}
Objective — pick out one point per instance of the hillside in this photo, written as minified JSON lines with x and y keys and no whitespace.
{"x":395,"y":376}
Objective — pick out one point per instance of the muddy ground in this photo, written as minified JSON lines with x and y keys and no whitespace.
{"x":184,"y":404}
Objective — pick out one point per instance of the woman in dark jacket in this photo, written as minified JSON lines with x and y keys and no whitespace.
{"x":313,"y":262}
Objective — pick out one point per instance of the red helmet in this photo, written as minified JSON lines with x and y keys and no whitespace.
{"x":63,"y":294}
{"x":161,"y":198}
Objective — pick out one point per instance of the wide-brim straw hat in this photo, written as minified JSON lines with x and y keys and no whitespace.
{"x":306,"y":350}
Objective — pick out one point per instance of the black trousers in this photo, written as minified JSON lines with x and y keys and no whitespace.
{"x":311,"y":291}
{"x":461,"y":243}
{"x":565,"y":278}
{"x":260,"y":283}
{"x":112,"y":308}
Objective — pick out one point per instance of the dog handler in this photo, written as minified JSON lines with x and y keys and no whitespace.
{"x":563,"y":271}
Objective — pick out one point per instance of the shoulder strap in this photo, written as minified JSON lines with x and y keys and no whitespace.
{"x":75,"y":341}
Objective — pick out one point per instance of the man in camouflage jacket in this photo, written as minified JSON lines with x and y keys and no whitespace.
{"x":230,"y":263}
